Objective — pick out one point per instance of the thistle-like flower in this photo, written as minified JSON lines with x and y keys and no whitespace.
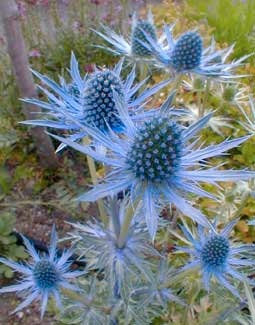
{"x":137,"y":47}
{"x":215,"y":256}
{"x":44,"y":276}
{"x":187,"y":55}
{"x":159,"y":162}
{"x":106,"y":251}
{"x":89,"y":100}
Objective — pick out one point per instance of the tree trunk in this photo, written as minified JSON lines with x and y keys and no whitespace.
{"x":19,"y":59}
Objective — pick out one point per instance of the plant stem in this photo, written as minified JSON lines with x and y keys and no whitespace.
{"x":241,"y":206}
{"x":176,"y":85}
{"x":143,"y":70}
{"x":93,"y":175}
{"x":205,"y":99}
{"x":126,"y":223}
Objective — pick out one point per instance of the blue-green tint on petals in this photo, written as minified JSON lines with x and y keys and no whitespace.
{"x":159,"y":163}
{"x":216,"y":256}
{"x":44,"y":276}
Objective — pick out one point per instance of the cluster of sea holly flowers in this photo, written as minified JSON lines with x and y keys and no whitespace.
{"x":154,"y":159}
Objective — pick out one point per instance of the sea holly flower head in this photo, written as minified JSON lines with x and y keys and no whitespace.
{"x":158,"y":161}
{"x":136,"y":47}
{"x":104,"y":251}
{"x":216,"y":256}
{"x":90,"y":100}
{"x":98,"y":100}
{"x":187,"y":52}
{"x":156,"y":150}
{"x":187,"y":55}
{"x":44,"y":276}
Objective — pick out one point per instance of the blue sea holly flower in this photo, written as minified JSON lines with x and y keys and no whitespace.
{"x":120,"y":261}
{"x":187,"y":52}
{"x":44,"y":276}
{"x":89,"y":100}
{"x":187,"y":55}
{"x":158,"y":160}
{"x":216,"y":256}
{"x":136,"y":47}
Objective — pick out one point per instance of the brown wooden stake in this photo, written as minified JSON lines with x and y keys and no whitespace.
{"x":19,"y":60}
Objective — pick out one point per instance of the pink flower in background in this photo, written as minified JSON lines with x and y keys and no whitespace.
{"x":89,"y":68}
{"x":44,"y":3}
{"x":96,"y":2}
{"x":22,"y":8}
{"x":2,"y":40}
{"x":34,"y":53}
{"x":77,"y":26}
{"x":32,"y":2}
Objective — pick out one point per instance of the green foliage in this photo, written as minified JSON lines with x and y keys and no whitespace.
{"x":233,"y":21}
{"x":8,"y":246}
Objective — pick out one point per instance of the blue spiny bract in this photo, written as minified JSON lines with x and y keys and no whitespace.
{"x":182,"y":170}
{"x":44,"y":276}
{"x":216,"y":256}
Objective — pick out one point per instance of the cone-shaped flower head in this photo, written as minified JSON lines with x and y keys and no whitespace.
{"x":217,"y":256}
{"x":136,"y":47}
{"x":44,"y":276}
{"x":99,"y":101}
{"x":138,"y":36}
{"x":187,"y":52}
{"x":215,"y":252}
{"x":156,"y":150}
{"x":159,"y":161}
{"x":90,"y":101}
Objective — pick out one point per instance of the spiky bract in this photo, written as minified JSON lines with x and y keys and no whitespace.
{"x":186,"y":54}
{"x":44,"y":276}
{"x":89,"y":100}
{"x":216,"y":256}
{"x":190,"y":167}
